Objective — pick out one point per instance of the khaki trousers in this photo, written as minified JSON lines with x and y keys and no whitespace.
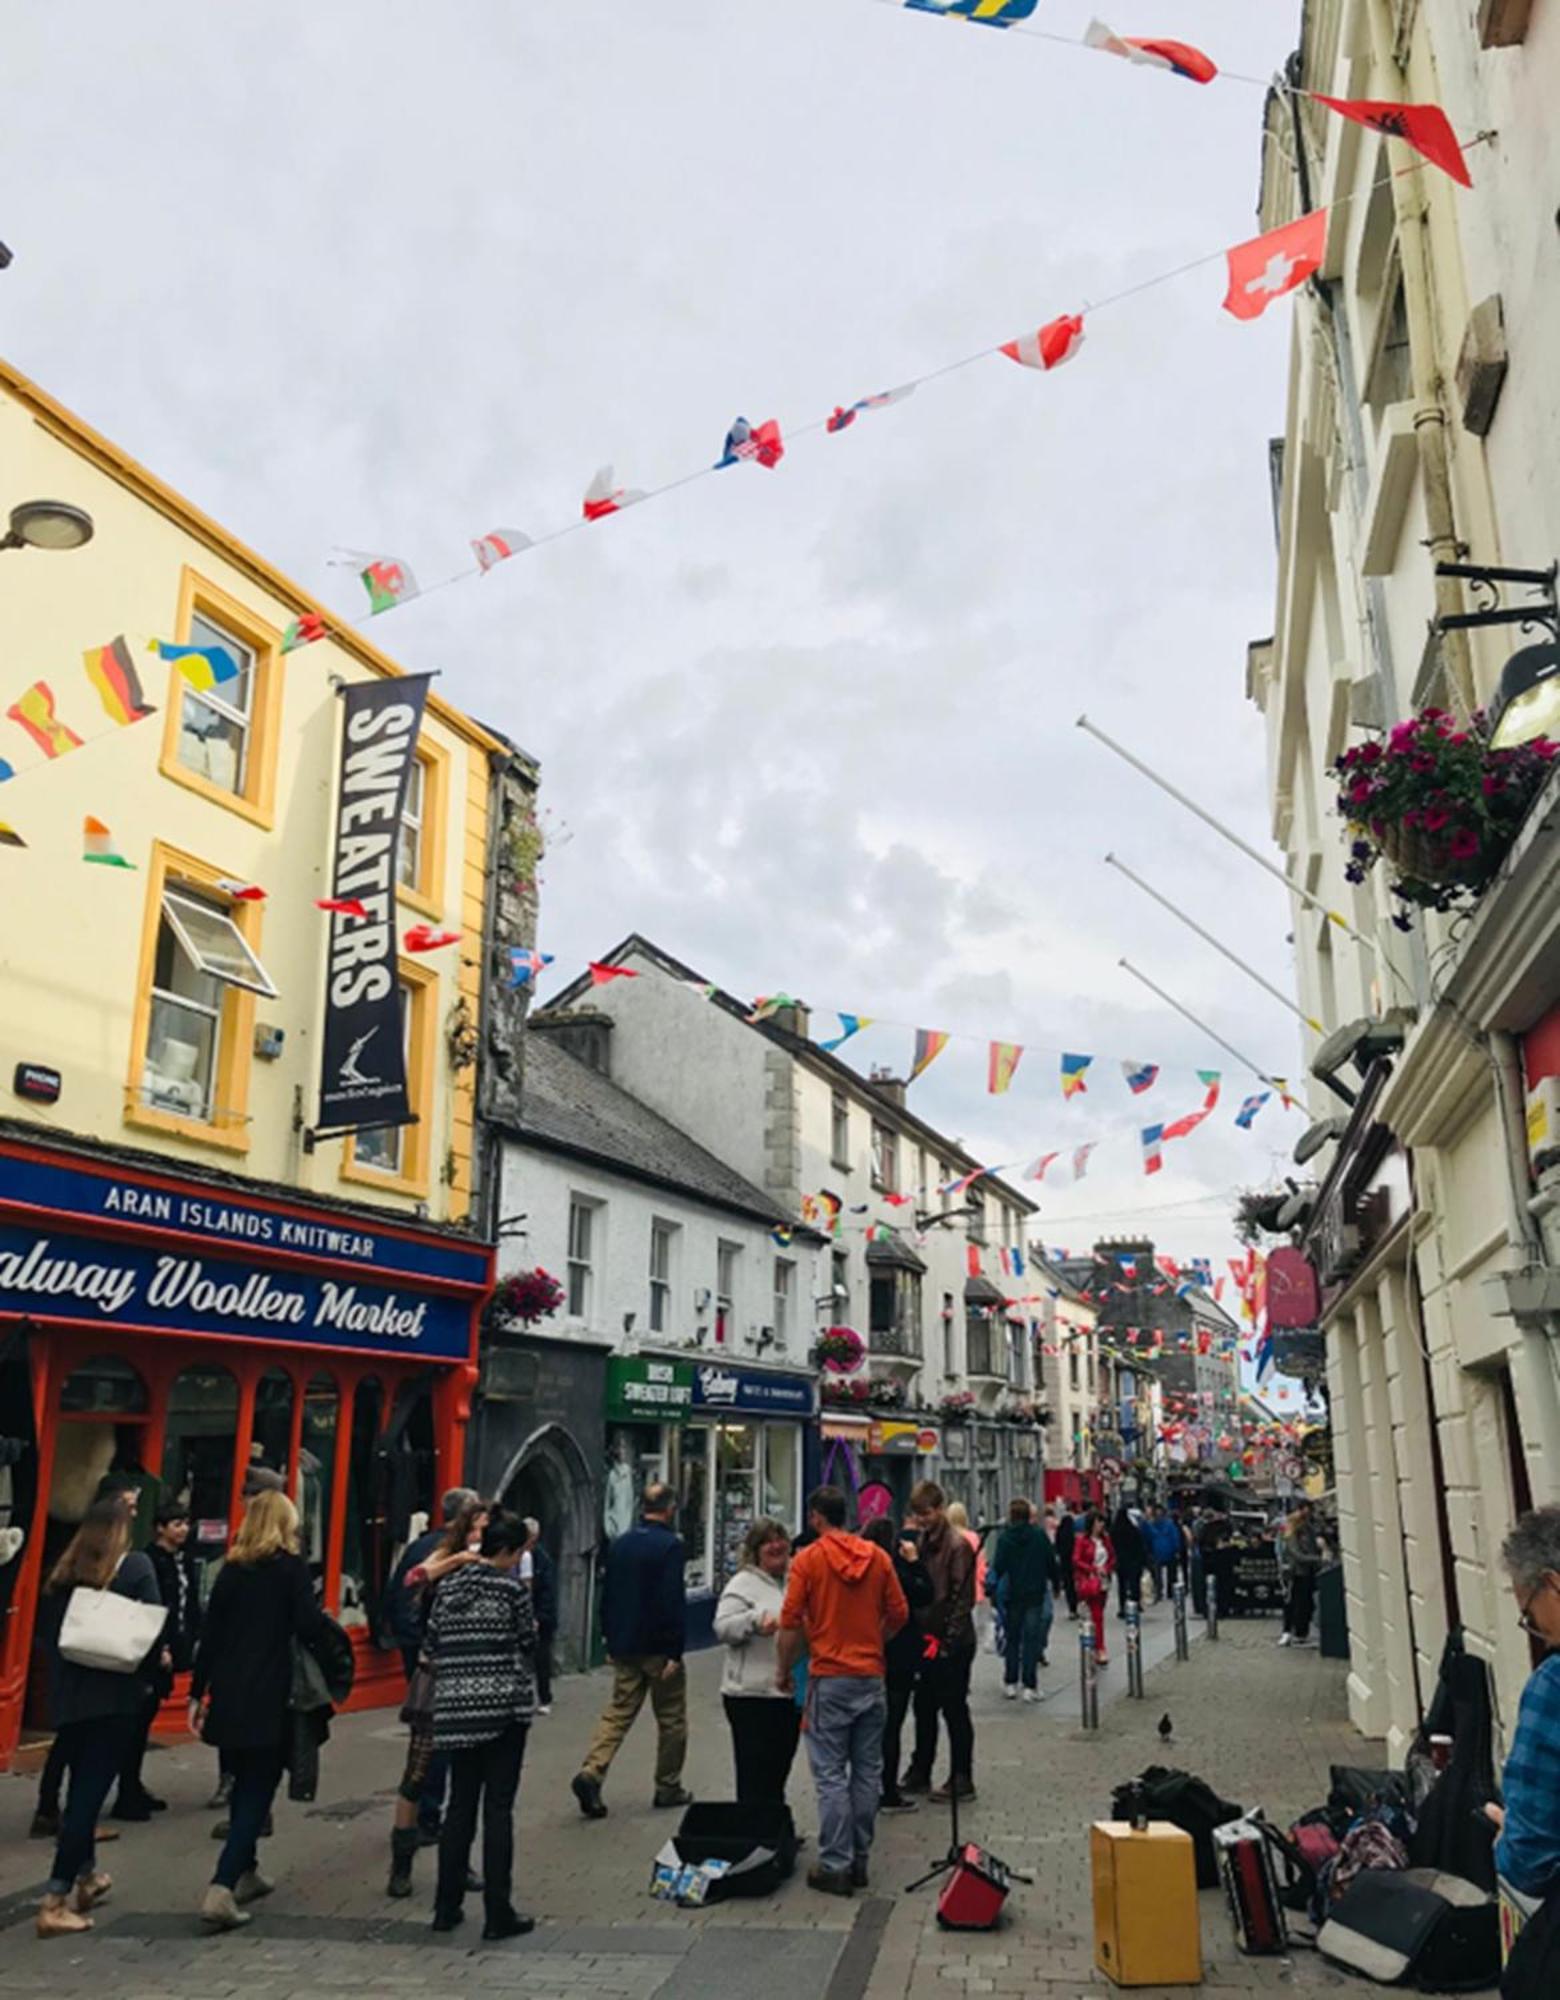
{"x":632,"y":1680}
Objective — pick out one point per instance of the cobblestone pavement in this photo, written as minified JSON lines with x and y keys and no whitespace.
{"x":1260,"y":1724}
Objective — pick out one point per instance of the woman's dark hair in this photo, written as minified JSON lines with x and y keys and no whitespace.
{"x":92,"y":1554}
{"x":1020,"y":1511}
{"x":461,"y":1529}
{"x":504,"y":1534}
{"x":881,"y":1531}
{"x":1091,"y":1522}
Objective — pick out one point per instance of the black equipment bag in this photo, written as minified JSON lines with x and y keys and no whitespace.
{"x":1355,"y":1791}
{"x":1533,"y":1969}
{"x":1417,"y":1928}
{"x":759,"y":1842}
{"x":1187,"y":1802}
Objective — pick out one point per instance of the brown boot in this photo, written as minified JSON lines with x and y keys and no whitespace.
{"x":89,"y":1890}
{"x":57,"y":1919}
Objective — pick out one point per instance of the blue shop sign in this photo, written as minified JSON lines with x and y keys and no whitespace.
{"x":36,"y":1183}
{"x":174,"y":1290}
{"x":751,"y":1391}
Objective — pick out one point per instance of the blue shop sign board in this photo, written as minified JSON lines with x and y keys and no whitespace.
{"x":372,"y":1298}
{"x":751,"y":1391}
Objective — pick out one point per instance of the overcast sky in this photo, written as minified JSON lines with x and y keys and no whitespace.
{"x":389,"y":275}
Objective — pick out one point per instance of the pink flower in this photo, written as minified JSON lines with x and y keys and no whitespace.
{"x":1493,"y":783}
{"x":1460,"y":737}
{"x":1360,"y":790}
{"x":1367,"y":753}
{"x":1402,"y":736}
{"x":1464,"y":844}
{"x":1433,"y":818}
{"x":1421,"y":763}
{"x":1410,"y":818}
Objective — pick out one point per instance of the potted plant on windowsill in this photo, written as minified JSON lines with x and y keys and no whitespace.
{"x":957,"y":1408}
{"x":1439,"y":805}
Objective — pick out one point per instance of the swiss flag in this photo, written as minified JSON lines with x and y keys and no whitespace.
{"x":1268,"y":266}
{"x":1425,"y":127}
{"x":1051,"y":346}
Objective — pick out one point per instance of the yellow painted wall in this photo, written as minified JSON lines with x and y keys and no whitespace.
{"x":75,"y":940}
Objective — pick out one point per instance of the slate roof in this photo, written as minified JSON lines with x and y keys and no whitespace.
{"x":569,"y":1106}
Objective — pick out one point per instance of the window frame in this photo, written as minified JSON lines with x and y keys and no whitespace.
{"x":256,"y":799}
{"x":228,"y":1127}
{"x":727,"y":1279}
{"x":661,"y":1283}
{"x":583,"y":1262}
{"x":784,"y":1284}
{"x":425,"y":893}
{"x":422,"y":984}
{"x":885,"y":1158}
{"x":839,"y":1130}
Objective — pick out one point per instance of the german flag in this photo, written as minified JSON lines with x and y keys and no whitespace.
{"x":34,"y":712}
{"x":112,"y":672}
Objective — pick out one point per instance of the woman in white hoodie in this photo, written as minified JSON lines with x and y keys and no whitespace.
{"x":764,"y":1720}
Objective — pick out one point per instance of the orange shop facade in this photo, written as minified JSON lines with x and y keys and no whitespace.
{"x":181,"y":1331}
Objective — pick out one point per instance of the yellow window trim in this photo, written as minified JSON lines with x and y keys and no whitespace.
{"x":257,"y":802}
{"x":421,"y":1054}
{"x":231,"y":1092}
{"x":426,"y":895}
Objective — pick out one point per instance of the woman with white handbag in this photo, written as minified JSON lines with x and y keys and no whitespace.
{"x":104,"y":1617}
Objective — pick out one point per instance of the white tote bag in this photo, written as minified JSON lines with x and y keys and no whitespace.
{"x":107,"y":1631}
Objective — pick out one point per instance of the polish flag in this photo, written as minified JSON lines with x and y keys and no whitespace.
{"x":1051,"y":346}
{"x":603,"y":498}
{"x":426,"y":937}
{"x":1156,"y":53}
{"x":603,"y":975}
{"x":1425,"y":127}
{"x":343,"y":906}
{"x":1268,"y":266}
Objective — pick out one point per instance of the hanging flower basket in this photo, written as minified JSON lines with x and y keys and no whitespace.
{"x":526,"y":1296}
{"x":886,"y":1395}
{"x":1438,"y":805}
{"x":852,"y":1395}
{"x":957,"y":1408}
{"x":840,"y":1350}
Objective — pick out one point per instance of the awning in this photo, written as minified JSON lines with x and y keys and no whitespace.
{"x":897,"y":1255}
{"x":982,"y":1292}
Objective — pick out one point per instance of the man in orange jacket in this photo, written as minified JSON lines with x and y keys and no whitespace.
{"x":843,"y":1600}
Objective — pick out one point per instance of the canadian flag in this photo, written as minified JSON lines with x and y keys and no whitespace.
{"x":1268,"y":266}
{"x":1051,"y":346}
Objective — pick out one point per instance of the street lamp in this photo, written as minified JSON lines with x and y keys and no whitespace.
{"x":1527,"y":703}
{"x":47,"y":524}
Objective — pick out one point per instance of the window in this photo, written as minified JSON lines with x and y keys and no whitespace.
{"x":977,"y":1342}
{"x":726,"y":1255}
{"x":946,"y":1334}
{"x":785,"y":1288}
{"x":894,"y":1313}
{"x":221,"y":740}
{"x":839,"y":1304}
{"x":662,"y":1236}
{"x":409,"y":840}
{"x":398,"y":1154}
{"x":885,"y":1159}
{"x":582,"y":1229}
{"x":920,"y":1176}
{"x":1072,"y":1371}
{"x":839,"y":1131}
{"x":977,"y":1217}
{"x":193,"y":1038}
{"x":1391,"y":370}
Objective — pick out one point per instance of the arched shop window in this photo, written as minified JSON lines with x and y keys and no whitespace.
{"x":365,"y":1546}
{"x":409,"y":1471}
{"x":270,"y":1442}
{"x":198,"y":1448}
{"x":317,"y":1471}
{"x":104,"y":1386}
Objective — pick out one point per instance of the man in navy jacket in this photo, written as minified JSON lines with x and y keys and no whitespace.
{"x":643,"y":1618}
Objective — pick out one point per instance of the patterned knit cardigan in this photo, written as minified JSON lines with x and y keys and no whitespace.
{"x":481,"y":1639}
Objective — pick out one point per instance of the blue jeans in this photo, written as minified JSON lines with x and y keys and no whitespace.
{"x":93,"y":1752}
{"x":1027,"y":1631}
{"x":845,"y":1717}
{"x":256,"y":1775}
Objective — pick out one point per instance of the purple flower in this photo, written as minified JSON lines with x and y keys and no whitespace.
{"x":1403,"y":920}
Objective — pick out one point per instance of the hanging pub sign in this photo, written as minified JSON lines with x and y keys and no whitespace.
{"x":1293,"y":1297}
{"x":363,"y":1056}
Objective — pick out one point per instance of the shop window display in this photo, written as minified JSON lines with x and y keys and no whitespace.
{"x":693,"y":1505}
{"x":737,"y":1461}
{"x":317,"y":1472}
{"x":105,"y":1385}
{"x":364,"y":1550}
{"x":271,"y":1440}
{"x":198,"y":1459}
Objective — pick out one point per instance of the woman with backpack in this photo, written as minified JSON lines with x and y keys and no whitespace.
{"x":1093,"y":1561}
{"x":96,"y":1710}
{"x":263,"y":1599}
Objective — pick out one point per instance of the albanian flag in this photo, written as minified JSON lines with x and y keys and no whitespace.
{"x":1051,"y":346}
{"x":1425,"y":127}
{"x":1270,"y":265}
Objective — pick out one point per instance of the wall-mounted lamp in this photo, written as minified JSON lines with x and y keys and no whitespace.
{"x":47,"y":524}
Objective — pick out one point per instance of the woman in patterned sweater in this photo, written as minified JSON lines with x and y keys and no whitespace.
{"x":481,"y":1638}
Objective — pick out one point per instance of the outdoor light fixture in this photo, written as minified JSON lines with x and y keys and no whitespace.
{"x":1527,"y":702}
{"x":1296,"y":1211}
{"x":1361,"y":1042}
{"x":47,"y":524}
{"x":1315,"y":1137}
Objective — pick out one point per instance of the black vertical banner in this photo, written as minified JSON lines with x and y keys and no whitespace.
{"x":363,"y":1061}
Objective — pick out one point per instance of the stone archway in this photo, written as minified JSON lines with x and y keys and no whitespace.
{"x":549,"y":1477}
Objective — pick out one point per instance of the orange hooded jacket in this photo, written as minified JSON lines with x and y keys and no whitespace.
{"x":844,"y":1595}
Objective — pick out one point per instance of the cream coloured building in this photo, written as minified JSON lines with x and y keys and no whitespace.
{"x":1422,"y":426}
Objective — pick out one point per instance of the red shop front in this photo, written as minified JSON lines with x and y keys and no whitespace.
{"x":182,"y":1331}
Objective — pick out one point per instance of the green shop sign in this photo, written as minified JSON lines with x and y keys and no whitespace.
{"x":638,"y":1386}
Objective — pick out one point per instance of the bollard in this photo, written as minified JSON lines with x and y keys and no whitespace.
{"x":1134,"y":1648}
{"x":1211,"y":1618}
{"x":1183,"y":1647}
{"x":1088,"y":1679}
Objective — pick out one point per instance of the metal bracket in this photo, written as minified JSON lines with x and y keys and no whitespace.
{"x":1485,"y":582}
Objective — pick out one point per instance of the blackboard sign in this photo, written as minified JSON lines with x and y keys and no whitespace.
{"x":1254,"y":1588}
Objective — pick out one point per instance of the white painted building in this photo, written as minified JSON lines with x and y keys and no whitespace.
{"x":1423,"y":425}
{"x":895,"y":1258}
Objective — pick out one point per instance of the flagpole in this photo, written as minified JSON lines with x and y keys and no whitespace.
{"x":1223,"y":950}
{"x":1187,"y":1014}
{"x":1235,"y":840}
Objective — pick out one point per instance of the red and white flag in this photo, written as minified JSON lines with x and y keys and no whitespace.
{"x":241,"y":892}
{"x":1051,"y":346}
{"x":427,"y":937}
{"x":1268,"y":266}
{"x":498,"y":546}
{"x":1153,"y":51}
{"x":603,"y":975}
{"x":602,"y":497}
{"x":1425,"y":127}
{"x":343,"y":906}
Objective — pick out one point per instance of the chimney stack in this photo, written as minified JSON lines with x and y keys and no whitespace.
{"x":585,"y":1033}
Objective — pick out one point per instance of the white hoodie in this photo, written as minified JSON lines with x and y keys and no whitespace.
{"x":750,"y":1663}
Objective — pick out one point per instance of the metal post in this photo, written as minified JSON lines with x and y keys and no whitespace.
{"x":1183,"y":1648}
{"x":1134,"y":1648}
{"x":1211,"y":1617}
{"x":1088,"y":1679}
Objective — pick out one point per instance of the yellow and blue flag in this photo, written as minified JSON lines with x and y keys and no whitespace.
{"x":202,"y":666}
{"x":991,"y":13}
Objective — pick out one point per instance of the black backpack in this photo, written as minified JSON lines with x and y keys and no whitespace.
{"x":1184,"y":1801}
{"x":1533,"y":1969}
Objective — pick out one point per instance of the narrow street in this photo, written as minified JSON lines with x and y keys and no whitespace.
{"x":1262,"y":1725}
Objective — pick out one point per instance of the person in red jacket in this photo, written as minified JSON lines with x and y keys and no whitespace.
{"x":842,"y":1601}
{"x":1093,"y":1561}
